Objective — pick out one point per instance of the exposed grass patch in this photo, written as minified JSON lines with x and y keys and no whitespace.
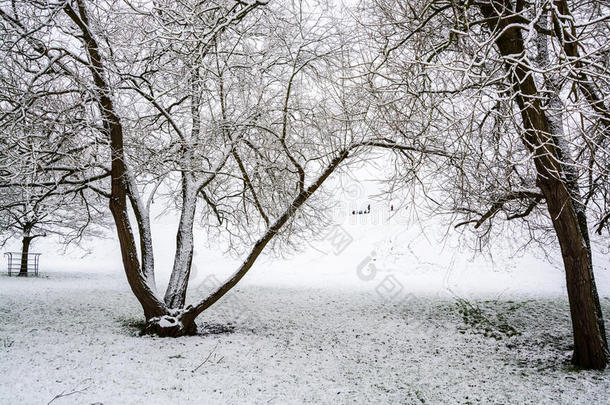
{"x":490,"y":323}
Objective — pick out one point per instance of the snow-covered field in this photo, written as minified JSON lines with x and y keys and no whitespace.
{"x":76,"y":332}
{"x":370,"y":312}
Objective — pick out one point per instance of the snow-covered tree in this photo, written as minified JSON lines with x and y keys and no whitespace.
{"x":49,"y":180}
{"x":240,"y":111}
{"x":514,"y":94}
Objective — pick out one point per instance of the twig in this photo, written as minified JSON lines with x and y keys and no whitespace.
{"x":75,"y":391}
{"x":206,"y":359}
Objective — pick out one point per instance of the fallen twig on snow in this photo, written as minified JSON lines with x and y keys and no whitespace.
{"x":206,"y":359}
{"x":74,"y":391}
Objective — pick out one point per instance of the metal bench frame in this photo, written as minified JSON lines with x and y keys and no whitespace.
{"x":14,"y":263}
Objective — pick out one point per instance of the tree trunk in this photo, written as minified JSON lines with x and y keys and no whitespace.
{"x":113,"y":129}
{"x":25,"y":252}
{"x":590,"y":345}
{"x":555,"y":120}
{"x":140,"y":278}
{"x":175,"y":295}
{"x":171,"y":326}
{"x":182,"y":321}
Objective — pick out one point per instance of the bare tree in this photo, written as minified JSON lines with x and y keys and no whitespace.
{"x":517,"y":93}
{"x":239,"y":111}
{"x":49,"y":182}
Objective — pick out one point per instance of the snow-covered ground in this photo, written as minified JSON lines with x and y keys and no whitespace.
{"x":288,"y":344}
{"x":372,"y":311}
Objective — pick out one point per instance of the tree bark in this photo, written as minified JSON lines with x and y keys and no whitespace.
{"x":151,"y":304}
{"x":25,"y":252}
{"x":175,"y":295}
{"x":183,"y":321}
{"x":590,"y":345}
{"x":140,"y":278}
{"x":259,"y":246}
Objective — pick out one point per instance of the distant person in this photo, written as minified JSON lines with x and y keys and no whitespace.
{"x":354,"y":212}
{"x":392,"y":207}
{"x":368,"y":208}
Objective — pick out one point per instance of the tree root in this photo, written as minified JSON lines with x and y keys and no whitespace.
{"x":169,"y":326}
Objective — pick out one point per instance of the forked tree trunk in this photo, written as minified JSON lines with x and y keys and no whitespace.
{"x":184,"y":320}
{"x":590,"y":345}
{"x":161,"y":319}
